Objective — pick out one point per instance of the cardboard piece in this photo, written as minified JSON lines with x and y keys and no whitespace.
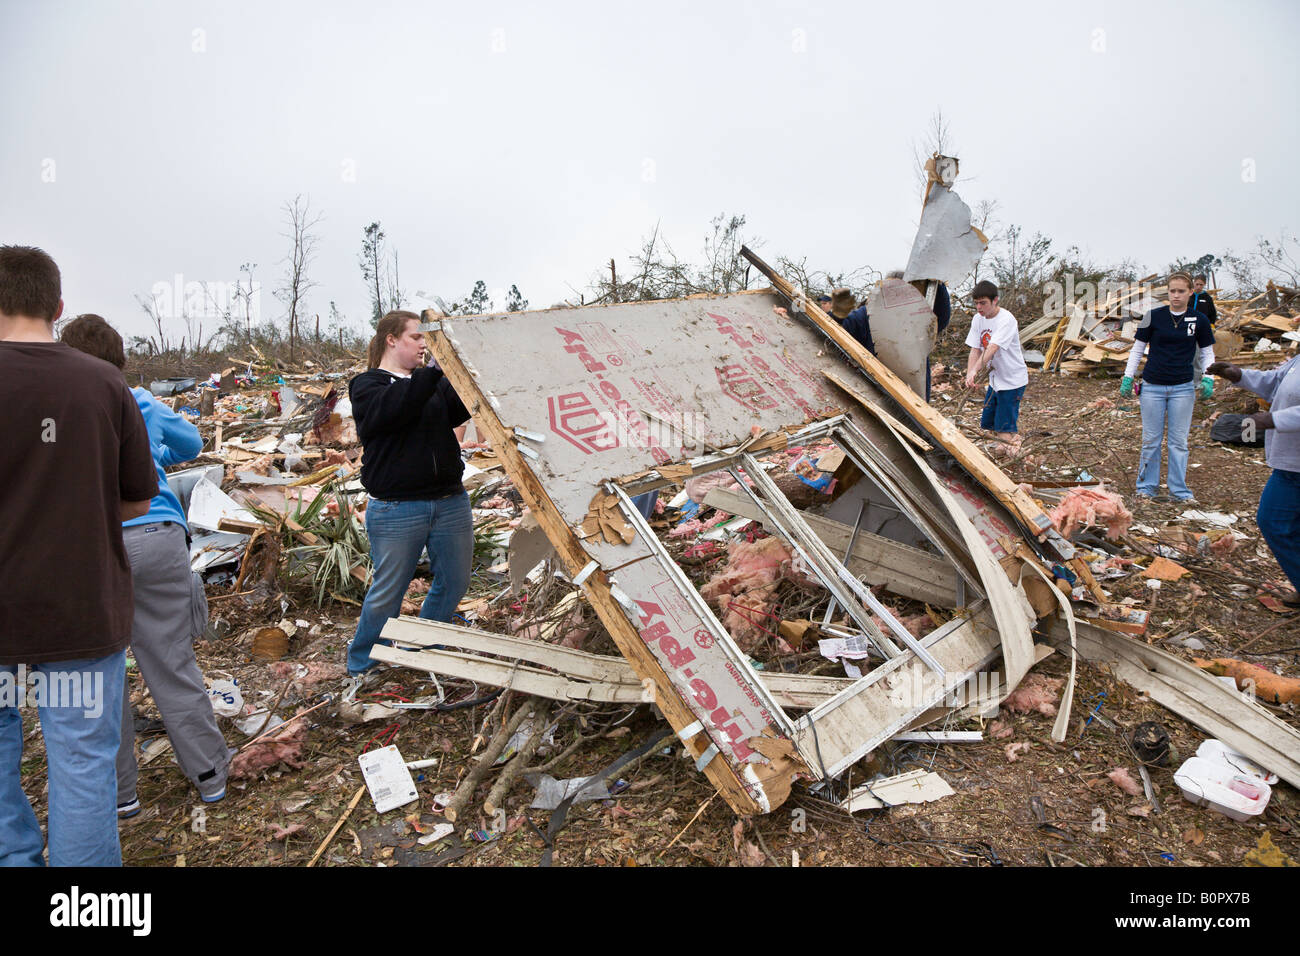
{"x":529,"y":546}
{"x":915,"y":786}
{"x":1162,"y":569}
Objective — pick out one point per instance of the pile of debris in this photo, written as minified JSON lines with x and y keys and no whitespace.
{"x":808,"y":530}
{"x":1261,"y":330}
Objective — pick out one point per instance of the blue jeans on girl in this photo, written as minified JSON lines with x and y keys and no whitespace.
{"x":1161,"y":404}
{"x":399,"y":531}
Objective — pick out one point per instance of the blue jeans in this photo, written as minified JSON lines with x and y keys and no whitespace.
{"x":1002,"y":409}
{"x":399,"y":531}
{"x":1163,"y":404}
{"x":1279,"y":521}
{"x":81,"y":738}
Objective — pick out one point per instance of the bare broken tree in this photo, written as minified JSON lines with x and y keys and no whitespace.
{"x":818,"y":281}
{"x":985,"y":219}
{"x":302,"y":223}
{"x":396,"y":298}
{"x":657,"y":272}
{"x":1281,"y":257}
{"x":157,"y":344}
{"x":372,"y":268}
{"x":244,"y":293}
{"x":725,"y":269}
{"x":1021,"y":269}
{"x":937,"y":138}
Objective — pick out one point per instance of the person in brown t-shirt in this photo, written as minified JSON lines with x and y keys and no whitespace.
{"x":76,"y":463}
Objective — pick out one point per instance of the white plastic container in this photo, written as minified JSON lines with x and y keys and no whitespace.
{"x":1213,"y":749}
{"x":1214,"y":784}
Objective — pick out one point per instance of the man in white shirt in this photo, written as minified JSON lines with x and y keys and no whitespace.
{"x":995,"y":348}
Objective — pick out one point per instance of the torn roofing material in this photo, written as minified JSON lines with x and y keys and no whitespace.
{"x":947,"y":246}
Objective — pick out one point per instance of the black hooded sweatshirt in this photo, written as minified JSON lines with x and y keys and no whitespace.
{"x":405,"y":426}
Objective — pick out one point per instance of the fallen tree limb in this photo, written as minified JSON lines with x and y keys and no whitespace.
{"x":511,"y":771}
{"x":485,"y":762}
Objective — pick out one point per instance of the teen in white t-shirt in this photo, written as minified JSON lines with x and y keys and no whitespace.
{"x":995,"y":348}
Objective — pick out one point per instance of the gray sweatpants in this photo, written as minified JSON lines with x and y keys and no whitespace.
{"x":170,"y":611}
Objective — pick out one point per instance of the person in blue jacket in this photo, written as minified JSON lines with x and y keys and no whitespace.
{"x":170,"y":607}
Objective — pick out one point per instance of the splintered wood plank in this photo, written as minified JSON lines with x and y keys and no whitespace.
{"x":575,"y":663}
{"x":582,"y":676}
{"x":520,"y":677}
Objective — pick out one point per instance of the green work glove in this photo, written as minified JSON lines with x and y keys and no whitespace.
{"x":1126,"y":386}
{"x":1207,"y":386}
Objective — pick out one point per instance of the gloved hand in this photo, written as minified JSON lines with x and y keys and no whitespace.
{"x":1126,"y":386}
{"x":1207,"y":386}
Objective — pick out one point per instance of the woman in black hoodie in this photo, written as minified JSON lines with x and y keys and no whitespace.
{"x":406,"y":414}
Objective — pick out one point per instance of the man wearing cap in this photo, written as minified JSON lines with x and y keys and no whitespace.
{"x":855,"y":320}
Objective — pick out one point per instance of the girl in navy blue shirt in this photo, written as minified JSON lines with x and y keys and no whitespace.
{"x":1171,"y":335}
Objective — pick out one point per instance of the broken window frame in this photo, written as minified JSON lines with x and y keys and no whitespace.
{"x":829,"y":568}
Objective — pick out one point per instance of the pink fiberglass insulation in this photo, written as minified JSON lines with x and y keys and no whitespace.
{"x":749,"y":582}
{"x":285,"y":747}
{"x":1035,"y":693}
{"x":1124,"y":781}
{"x":1087,"y":507}
{"x":694,"y":526}
{"x":309,"y":673}
{"x":701,"y":485}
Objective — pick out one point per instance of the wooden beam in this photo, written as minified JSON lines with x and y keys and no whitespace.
{"x":520,"y":677}
{"x":570,"y":551}
{"x":575,"y":663}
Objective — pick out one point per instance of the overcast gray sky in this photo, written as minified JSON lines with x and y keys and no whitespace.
{"x":528,"y":143}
